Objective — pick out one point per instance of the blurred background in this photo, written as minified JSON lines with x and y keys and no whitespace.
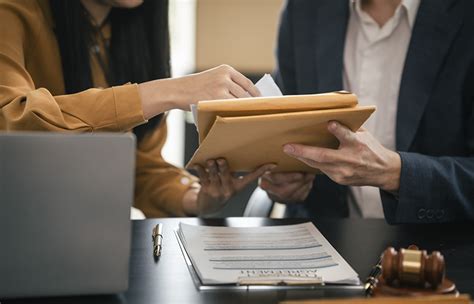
{"x":208,"y":33}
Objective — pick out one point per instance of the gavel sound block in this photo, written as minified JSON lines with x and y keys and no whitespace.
{"x":412,"y":272}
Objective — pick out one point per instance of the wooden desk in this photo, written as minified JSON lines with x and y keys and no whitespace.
{"x":359,"y":241}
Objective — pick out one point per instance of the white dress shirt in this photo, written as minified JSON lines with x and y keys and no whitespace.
{"x":374,"y":58}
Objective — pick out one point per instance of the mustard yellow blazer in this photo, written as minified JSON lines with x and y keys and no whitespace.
{"x":32,"y":97}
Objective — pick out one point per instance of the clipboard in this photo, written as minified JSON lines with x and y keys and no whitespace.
{"x":215,"y":287}
{"x":251,"y":132}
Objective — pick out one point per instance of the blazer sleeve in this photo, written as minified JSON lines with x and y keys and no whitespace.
{"x":285,"y":75}
{"x":160,"y":186}
{"x":23,"y":106}
{"x":434,"y":189}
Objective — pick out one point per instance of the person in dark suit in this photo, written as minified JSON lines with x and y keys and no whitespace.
{"x":413,"y":161}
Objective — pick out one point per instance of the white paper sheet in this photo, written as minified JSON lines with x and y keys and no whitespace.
{"x":194,"y":111}
{"x":222,"y":255}
{"x":267,"y":86}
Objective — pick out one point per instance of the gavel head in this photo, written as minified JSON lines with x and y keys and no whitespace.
{"x":412,"y":267}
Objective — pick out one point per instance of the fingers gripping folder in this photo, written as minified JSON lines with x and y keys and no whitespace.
{"x":251,"y":132}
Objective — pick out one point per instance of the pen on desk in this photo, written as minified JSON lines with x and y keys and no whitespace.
{"x":157,"y":240}
{"x":373,"y":277}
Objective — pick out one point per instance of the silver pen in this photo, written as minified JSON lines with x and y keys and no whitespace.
{"x":157,"y":240}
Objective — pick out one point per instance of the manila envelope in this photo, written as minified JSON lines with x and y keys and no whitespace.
{"x":251,"y":132}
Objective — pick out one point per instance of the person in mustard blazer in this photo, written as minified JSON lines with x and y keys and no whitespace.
{"x":94,"y":66}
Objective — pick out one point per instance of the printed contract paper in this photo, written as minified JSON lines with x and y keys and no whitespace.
{"x":223,"y":255}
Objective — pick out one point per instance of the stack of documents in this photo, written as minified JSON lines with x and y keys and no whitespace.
{"x":250,"y":132}
{"x":291,"y":254}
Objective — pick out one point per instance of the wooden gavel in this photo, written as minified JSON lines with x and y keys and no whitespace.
{"x":413,"y":267}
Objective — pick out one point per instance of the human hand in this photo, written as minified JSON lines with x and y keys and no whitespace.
{"x":218,"y":184}
{"x":360,"y":159}
{"x":287,"y":188}
{"x":222,"y":82}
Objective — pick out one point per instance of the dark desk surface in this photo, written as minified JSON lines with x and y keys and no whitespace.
{"x":360,"y":242}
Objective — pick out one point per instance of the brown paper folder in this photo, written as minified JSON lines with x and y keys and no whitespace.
{"x":251,"y":132}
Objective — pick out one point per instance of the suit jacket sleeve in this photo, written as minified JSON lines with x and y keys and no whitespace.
{"x":435,"y":189}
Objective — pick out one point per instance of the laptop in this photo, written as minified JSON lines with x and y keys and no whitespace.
{"x":65,"y":203}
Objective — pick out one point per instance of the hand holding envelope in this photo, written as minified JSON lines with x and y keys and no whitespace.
{"x":287,"y":187}
{"x":250,"y":132}
{"x":360,"y":159}
{"x":217,"y":183}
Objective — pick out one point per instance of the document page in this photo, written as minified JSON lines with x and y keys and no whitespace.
{"x":225,"y":255}
{"x":267,"y":86}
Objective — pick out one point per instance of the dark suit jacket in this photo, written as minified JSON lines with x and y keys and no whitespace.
{"x":435,"y":119}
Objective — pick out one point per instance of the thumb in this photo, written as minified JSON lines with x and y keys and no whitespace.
{"x":342,"y":133}
{"x":256,"y":174}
